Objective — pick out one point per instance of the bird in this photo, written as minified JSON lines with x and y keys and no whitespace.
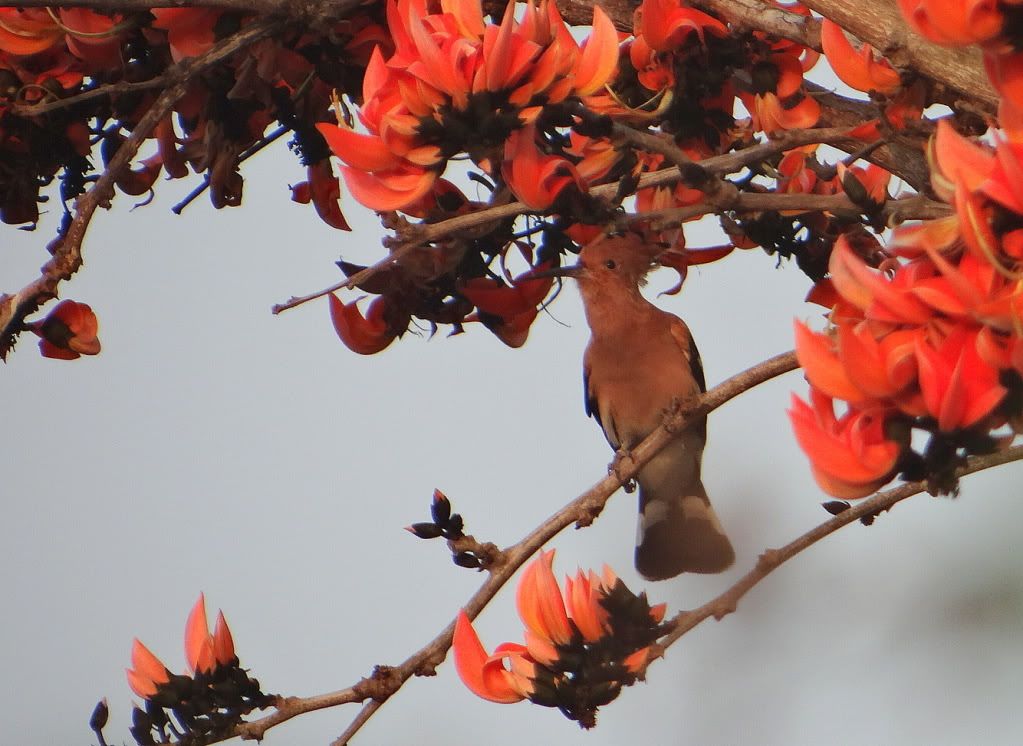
{"x":639,"y":362}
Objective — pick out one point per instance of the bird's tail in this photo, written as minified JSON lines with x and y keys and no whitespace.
{"x":680,"y":533}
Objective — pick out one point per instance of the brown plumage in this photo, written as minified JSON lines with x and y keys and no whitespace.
{"x":639,"y":360}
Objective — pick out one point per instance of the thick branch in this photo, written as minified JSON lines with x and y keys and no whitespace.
{"x":880,"y":24}
{"x":279,"y":8}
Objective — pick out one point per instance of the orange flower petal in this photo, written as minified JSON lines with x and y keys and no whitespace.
{"x":471,"y":663}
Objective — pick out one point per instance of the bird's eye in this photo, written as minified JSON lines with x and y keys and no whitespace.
{"x":610,"y":264}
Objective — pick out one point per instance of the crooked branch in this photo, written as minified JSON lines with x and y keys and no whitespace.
{"x":715,"y":166}
{"x":770,"y":560}
{"x":67,"y":250}
{"x":375,"y":689}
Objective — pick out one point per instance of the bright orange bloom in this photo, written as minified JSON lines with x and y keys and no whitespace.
{"x":423,"y":104}
{"x":1005,"y":71}
{"x":665,"y":24}
{"x":778,"y":101}
{"x":958,"y":387}
{"x":508,"y":311}
{"x":323,"y":189}
{"x":365,"y":335}
{"x":955,"y":161}
{"x":878,"y":298}
{"x":535,"y":178}
{"x":205,"y":651}
{"x":860,"y":70}
{"x":68,"y":332}
{"x":867,"y":184}
{"x":851,"y":456}
{"x":147,"y":673}
{"x":29,"y":31}
{"x":561,"y":626}
{"x":189,"y":30}
{"x":954,"y":22}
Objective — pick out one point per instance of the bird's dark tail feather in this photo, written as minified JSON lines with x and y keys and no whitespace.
{"x":680,"y":534}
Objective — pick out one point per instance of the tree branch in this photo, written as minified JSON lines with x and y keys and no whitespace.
{"x":386,"y":680}
{"x":770,"y":560}
{"x":880,"y":24}
{"x":718,"y":165}
{"x":67,"y":251}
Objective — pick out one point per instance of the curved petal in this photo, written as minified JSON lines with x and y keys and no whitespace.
{"x":472,"y":664}
{"x":599,"y":58}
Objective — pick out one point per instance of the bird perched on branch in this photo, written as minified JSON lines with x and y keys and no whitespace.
{"x":639,"y":362}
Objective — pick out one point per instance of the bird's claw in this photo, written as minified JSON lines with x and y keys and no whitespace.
{"x":622,"y":461}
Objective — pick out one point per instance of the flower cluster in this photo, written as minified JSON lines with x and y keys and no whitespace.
{"x":456,"y":83}
{"x":582,"y":645}
{"x":534,"y":111}
{"x":926,"y":334}
{"x":931,"y":340}
{"x":56,"y":63}
{"x":199,"y":707}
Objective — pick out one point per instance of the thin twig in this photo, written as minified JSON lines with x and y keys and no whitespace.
{"x":770,"y":560}
{"x":250,"y":151}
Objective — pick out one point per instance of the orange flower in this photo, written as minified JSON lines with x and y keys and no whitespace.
{"x":205,"y":651}
{"x":535,"y":178}
{"x":959,"y":388}
{"x":580,"y":647}
{"x":68,"y":332}
{"x":147,"y":673}
{"x":954,"y":22}
{"x":324,"y":191}
{"x":880,"y":299}
{"x":189,"y":30}
{"x":665,"y":24}
{"x":851,"y":456}
{"x":514,"y":308}
{"x":859,"y":70}
{"x":1005,"y":71}
{"x":365,"y":335}
{"x":955,"y":161}
{"x":29,"y":31}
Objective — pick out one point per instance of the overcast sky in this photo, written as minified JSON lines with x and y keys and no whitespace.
{"x":214,"y":447}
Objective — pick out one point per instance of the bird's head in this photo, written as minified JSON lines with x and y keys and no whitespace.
{"x":614,"y":260}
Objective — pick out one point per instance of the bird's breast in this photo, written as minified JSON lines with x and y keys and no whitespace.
{"x":634,"y":380}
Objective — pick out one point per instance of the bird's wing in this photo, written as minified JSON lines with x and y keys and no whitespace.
{"x":589,"y":400}
{"x":680,"y":332}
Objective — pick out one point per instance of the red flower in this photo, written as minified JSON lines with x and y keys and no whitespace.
{"x":204,"y":652}
{"x":959,"y":388}
{"x":851,"y":456}
{"x":147,"y":673}
{"x":68,"y":332}
{"x":954,"y":22}
{"x":535,"y":178}
{"x":366,"y":335}
{"x":578,"y":617}
{"x":859,"y":70}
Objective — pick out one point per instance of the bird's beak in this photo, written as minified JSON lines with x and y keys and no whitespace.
{"x":572,"y":270}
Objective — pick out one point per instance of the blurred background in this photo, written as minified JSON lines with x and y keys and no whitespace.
{"x":214,"y":447}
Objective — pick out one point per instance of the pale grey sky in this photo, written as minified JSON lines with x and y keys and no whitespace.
{"x":214,"y":447}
